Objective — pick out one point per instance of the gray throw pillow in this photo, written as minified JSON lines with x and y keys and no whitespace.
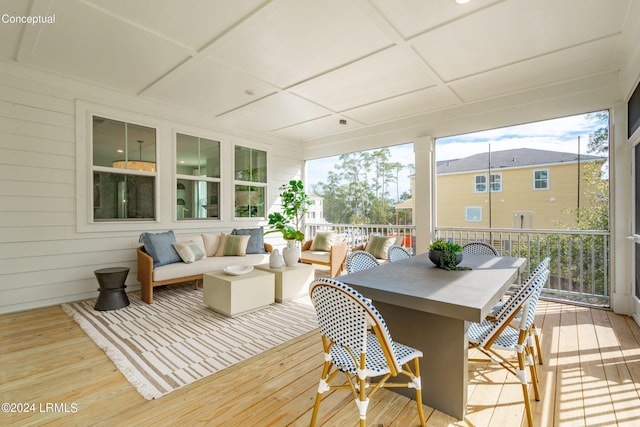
{"x":256,"y":239}
{"x":160,"y":247}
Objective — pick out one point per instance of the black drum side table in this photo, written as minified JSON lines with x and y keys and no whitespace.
{"x":112,"y":295}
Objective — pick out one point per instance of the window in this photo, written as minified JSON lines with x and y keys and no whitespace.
{"x":473,"y":213}
{"x":496,"y":182}
{"x":124,"y":170}
{"x":541,"y":179}
{"x":250,"y":182}
{"x":481,"y":183}
{"x":197,"y":178}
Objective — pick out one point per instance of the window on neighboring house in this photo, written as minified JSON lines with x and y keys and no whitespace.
{"x":250,"y":182}
{"x":197,"y":178}
{"x":496,"y":182}
{"x":481,"y":182}
{"x":473,"y":213}
{"x":124,"y":171}
{"x":541,"y":179}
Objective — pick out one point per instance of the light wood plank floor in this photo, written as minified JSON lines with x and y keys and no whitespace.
{"x":590,"y":377}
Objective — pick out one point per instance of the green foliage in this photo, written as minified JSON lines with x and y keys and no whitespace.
{"x":441,"y":245}
{"x":295,"y":203}
{"x":357,"y":191}
{"x":448,"y":254}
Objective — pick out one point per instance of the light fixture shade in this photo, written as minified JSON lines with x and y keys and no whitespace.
{"x":136,"y":165}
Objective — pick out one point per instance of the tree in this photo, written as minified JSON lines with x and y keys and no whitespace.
{"x":357,"y":190}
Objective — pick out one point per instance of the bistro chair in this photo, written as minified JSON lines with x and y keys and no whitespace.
{"x":501,"y":306}
{"x":396,"y":253}
{"x":361,"y":260}
{"x":491,"y":337}
{"x":358,"y":352}
{"x":479,"y":248}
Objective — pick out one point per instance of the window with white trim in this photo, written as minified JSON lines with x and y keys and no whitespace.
{"x":541,"y":179}
{"x":250,"y":183}
{"x":124,"y":171}
{"x":480,"y":183}
{"x":197,"y":178}
{"x":473,"y":213}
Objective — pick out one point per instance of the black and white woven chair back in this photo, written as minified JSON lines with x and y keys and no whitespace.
{"x":529,"y":309}
{"x":511,"y":311}
{"x":479,"y":248}
{"x":344,"y":315}
{"x":360,"y":260}
{"x":396,"y":253}
{"x":543,"y":266}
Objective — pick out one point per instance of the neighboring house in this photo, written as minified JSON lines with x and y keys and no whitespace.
{"x":528,"y":189}
{"x":315,"y":214}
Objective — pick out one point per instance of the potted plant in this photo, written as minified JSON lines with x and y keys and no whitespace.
{"x":289,"y":222}
{"x":446,"y":255}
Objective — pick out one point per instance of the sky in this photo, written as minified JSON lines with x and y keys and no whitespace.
{"x":555,"y":135}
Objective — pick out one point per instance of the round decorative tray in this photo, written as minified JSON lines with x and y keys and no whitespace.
{"x":238,"y":270}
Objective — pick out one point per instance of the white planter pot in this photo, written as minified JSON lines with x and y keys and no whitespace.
{"x":291,"y":253}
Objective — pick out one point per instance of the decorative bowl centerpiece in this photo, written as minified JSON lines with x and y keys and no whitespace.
{"x":238,"y":270}
{"x":446,"y":255}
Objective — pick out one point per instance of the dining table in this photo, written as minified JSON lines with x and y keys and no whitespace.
{"x":429,"y":308}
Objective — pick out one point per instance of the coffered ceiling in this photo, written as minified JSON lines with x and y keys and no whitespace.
{"x":295,"y":68}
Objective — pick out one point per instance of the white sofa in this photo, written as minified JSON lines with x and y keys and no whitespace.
{"x":179,"y":272}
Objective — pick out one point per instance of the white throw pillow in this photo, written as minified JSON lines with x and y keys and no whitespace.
{"x":189,"y":251}
{"x":211,"y":243}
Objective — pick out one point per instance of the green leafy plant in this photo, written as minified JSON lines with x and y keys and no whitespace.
{"x":295,"y":203}
{"x":441,"y":245}
{"x":448,"y":255}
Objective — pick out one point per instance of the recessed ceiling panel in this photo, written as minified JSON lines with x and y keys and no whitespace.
{"x":407,"y":105}
{"x":292,"y":40}
{"x":190,"y":22}
{"x":274,"y":112}
{"x":201,"y":84}
{"x":93,"y":46}
{"x":516,"y":30}
{"x":319,"y":127}
{"x":386,"y":74}
{"x":410,"y":17}
{"x":565,"y":65}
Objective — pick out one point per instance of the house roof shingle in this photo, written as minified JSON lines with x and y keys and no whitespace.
{"x":518,"y":157}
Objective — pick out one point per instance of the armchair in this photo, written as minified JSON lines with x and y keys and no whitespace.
{"x":334,"y":258}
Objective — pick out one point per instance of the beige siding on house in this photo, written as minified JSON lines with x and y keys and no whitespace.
{"x":548,"y":208}
{"x":44,"y":259}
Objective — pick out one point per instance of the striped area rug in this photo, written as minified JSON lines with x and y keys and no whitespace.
{"x":177,"y":340}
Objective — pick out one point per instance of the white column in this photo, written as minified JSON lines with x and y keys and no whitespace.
{"x":620,"y":179}
{"x":423,"y":215}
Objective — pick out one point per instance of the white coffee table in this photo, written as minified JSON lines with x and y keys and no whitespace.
{"x":235,"y":295}
{"x":291,"y":282}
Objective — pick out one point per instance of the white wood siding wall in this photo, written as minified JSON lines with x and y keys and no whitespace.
{"x":44,"y":260}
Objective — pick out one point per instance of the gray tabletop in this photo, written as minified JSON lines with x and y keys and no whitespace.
{"x":417,"y":284}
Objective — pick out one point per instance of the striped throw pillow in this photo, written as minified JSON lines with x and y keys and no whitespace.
{"x":379,"y":245}
{"x":231,"y":245}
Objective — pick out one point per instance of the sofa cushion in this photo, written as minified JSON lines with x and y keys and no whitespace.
{"x":205,"y":265}
{"x":160,"y":247}
{"x":211,"y":243}
{"x":316,"y":256}
{"x":189,"y":251}
{"x":379,"y":245}
{"x":323,"y":240}
{"x":256,"y":239}
{"x":232,"y":245}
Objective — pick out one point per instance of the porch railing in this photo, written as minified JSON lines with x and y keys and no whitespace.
{"x":580,"y":266}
